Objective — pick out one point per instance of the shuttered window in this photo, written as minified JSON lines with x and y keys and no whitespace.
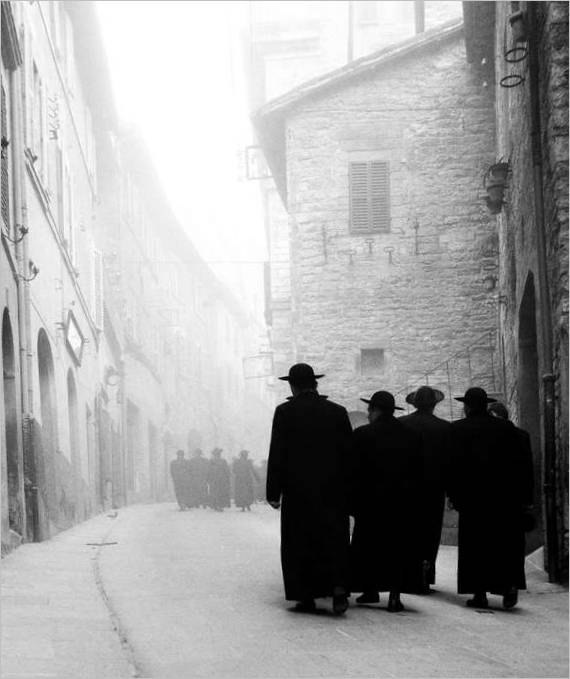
{"x":369,"y":184}
{"x":5,"y":177}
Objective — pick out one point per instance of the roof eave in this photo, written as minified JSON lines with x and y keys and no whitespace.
{"x":269,"y":119}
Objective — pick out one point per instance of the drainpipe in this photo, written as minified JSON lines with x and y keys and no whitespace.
{"x":545,"y":316}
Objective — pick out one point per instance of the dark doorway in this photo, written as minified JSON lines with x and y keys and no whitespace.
{"x":13,"y":472}
{"x":529,"y":401}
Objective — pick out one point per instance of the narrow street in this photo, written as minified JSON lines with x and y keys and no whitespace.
{"x":198,"y":594}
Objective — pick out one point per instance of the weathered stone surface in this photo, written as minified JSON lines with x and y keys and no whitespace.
{"x":432,"y":119}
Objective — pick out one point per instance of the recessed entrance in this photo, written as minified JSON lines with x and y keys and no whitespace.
{"x":15,"y":508}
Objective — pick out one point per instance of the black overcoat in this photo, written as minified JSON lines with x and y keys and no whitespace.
{"x":244,"y":477}
{"x":435,"y":434}
{"x":219,"y":483}
{"x":307,"y":471}
{"x":385,"y":548}
{"x":180,"y":472}
{"x":199,"y":467}
{"x":488,"y":487}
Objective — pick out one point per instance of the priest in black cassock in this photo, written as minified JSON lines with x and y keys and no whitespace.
{"x":307,"y":478}
{"x":435,"y":434}
{"x":386,"y":550}
{"x":489,"y":488}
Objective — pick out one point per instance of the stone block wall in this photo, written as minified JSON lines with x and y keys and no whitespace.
{"x":431,"y":117}
{"x":519,"y":263}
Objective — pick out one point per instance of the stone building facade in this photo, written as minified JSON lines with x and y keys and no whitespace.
{"x":112,"y":351}
{"x":391,"y":249}
{"x":287,"y":44}
{"x":532,"y":137}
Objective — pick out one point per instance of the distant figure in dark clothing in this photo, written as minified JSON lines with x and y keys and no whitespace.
{"x":181,"y":480}
{"x":435,"y":434}
{"x":199,"y":467}
{"x":244,"y":478}
{"x":307,"y":476}
{"x":488,"y":487}
{"x":219,"y":481}
{"x":385,"y":550}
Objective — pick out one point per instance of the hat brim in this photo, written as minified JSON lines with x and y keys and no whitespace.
{"x":462,"y":399}
{"x":367,"y":400}
{"x":285,"y":378}
{"x":439,"y":397}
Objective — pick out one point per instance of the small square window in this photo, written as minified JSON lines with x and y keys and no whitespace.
{"x":372,"y":362}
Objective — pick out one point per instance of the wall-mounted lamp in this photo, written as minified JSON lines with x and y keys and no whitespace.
{"x":34,"y":271}
{"x":495,"y":183}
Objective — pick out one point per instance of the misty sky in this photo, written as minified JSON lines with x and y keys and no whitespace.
{"x":175,"y":79}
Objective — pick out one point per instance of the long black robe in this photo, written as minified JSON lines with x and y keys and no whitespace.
{"x":219,"y":483}
{"x":488,"y":486}
{"x":244,"y":477}
{"x":385,"y":549}
{"x":435,"y":434}
{"x":199,"y":467}
{"x":180,"y":472}
{"x":307,"y":471}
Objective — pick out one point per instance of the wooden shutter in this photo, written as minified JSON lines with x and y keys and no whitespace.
{"x":5,"y":160}
{"x":369,"y":196}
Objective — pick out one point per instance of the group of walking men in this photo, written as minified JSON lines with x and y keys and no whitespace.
{"x":199,"y":482}
{"x":393,"y":476}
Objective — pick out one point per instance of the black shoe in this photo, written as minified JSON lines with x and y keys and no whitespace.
{"x":340,"y":604}
{"x":477,"y":602}
{"x":368,"y":598}
{"x":511,"y":598}
{"x":307,"y":606}
{"x":395,"y":604}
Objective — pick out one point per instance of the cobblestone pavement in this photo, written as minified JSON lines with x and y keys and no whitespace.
{"x":165,"y":593}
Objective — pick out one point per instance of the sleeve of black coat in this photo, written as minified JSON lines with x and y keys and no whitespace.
{"x":276,"y":459}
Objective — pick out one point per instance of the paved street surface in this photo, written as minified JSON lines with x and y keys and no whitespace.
{"x":199,"y":594}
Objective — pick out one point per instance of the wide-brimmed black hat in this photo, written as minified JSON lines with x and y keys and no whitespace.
{"x":475,"y":396}
{"x":425,"y":396}
{"x":301,"y":373}
{"x":381,"y":400}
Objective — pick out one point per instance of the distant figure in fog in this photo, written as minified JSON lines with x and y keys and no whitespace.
{"x":386,"y":550}
{"x":435,"y":434}
{"x":489,"y":488}
{"x":181,"y":480}
{"x":244,"y":478}
{"x":307,"y":478}
{"x":199,"y":467}
{"x":218,"y":481}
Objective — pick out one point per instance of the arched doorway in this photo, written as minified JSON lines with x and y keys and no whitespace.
{"x":74,"y":440}
{"x":13,"y":472}
{"x":529,"y":399}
